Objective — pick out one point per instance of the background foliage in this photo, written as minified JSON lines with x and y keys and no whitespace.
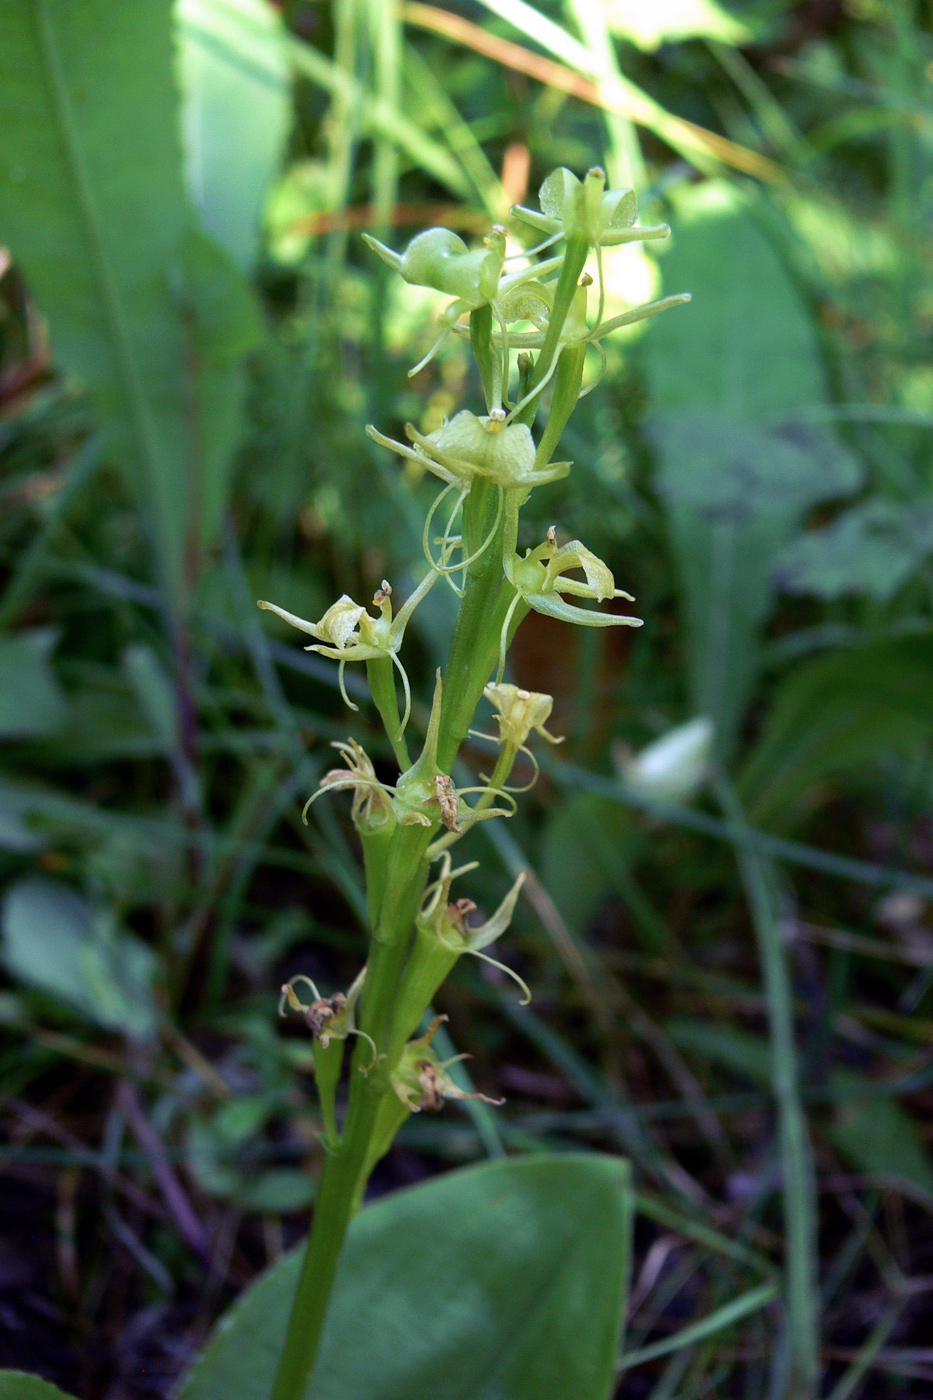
{"x":731,"y":967}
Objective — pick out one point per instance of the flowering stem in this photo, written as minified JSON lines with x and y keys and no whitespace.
{"x":341,"y":1181}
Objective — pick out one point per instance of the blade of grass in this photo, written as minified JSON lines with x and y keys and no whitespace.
{"x":724,"y":1316}
{"x":798,"y":1178}
{"x":628,"y":167}
{"x":420,"y":148}
{"x":706,"y":150}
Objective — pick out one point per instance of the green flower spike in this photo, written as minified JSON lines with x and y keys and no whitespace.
{"x":539,"y":581}
{"x":467,"y":448}
{"x":331,"y":1022}
{"x":518,"y":712}
{"x":420,"y":1079}
{"x":347,"y":632}
{"x":534,"y":302}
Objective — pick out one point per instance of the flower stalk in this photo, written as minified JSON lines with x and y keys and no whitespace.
{"x":529,"y":332}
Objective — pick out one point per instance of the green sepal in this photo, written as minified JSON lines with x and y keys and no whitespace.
{"x":554,"y":606}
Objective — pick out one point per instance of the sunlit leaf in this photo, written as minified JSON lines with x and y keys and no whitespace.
{"x":235,"y":114}
{"x":665,"y":21}
{"x":93,"y":208}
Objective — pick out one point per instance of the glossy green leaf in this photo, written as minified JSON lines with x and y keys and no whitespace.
{"x":236,"y":111}
{"x":848,"y":710}
{"x":17,"y":1385}
{"x":56,"y":941}
{"x":500,"y":1282}
{"x":31,"y":704}
{"x":91,"y":150}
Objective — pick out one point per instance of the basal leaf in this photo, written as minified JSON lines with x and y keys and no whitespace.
{"x":93,"y":208}
{"x":500,"y":1282}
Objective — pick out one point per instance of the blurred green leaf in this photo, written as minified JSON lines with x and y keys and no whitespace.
{"x":849,"y":710}
{"x":56,"y":941}
{"x":586,"y":842}
{"x":32,"y":705}
{"x":880,"y":1137}
{"x":17,"y":1385}
{"x":235,"y":114}
{"x":738,"y":466}
{"x":872,"y":549}
{"x":88,"y":105}
{"x":501,"y":1282}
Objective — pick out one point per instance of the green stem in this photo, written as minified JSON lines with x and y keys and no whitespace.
{"x":342,"y":1180}
{"x":574,"y":262}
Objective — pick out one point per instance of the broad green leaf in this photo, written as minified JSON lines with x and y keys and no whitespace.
{"x":500,"y":1282}
{"x":872,"y":549}
{"x":55,"y":941}
{"x":93,"y":208}
{"x":235,"y":114}
{"x":17,"y":1385}
{"x":849,"y":710}
{"x":31,"y":704}
{"x":739,"y":465}
{"x":666,"y":21}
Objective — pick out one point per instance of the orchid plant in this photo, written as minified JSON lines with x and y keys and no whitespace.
{"x":529,"y":331}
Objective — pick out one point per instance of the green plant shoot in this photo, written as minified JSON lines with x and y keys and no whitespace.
{"x":529,"y":332}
